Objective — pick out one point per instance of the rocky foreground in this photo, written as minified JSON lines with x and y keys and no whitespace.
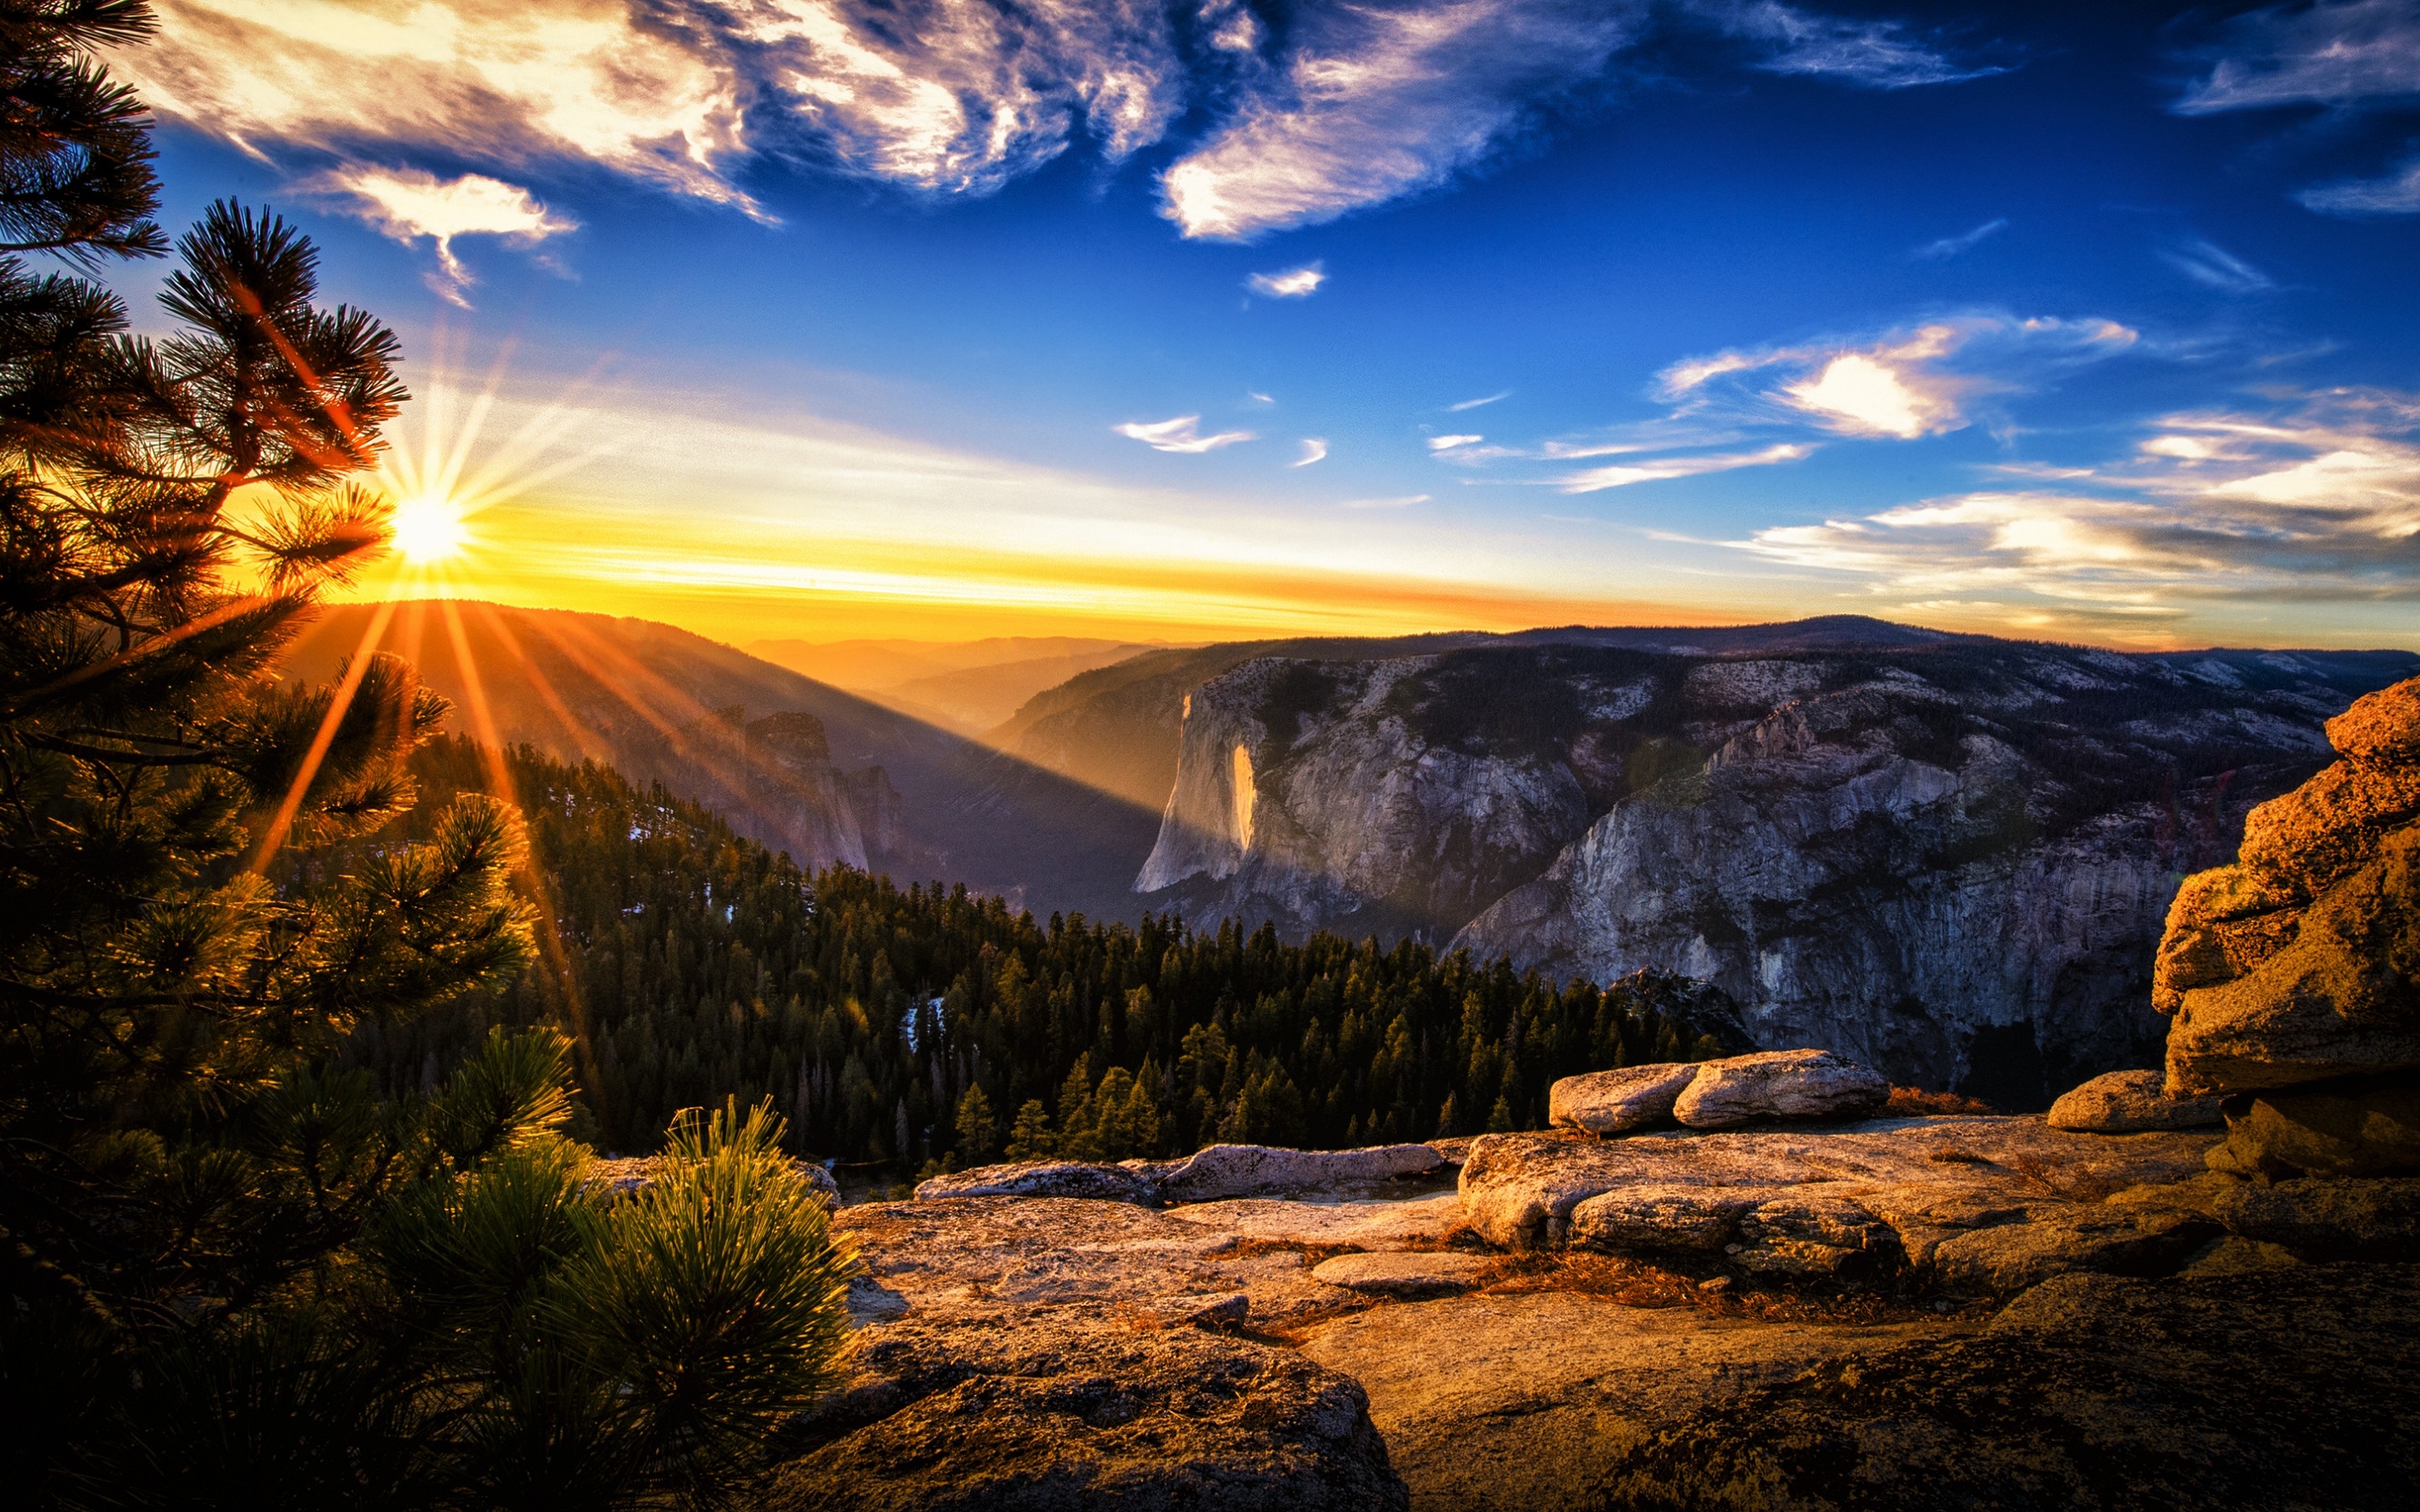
{"x":1736,"y":1284}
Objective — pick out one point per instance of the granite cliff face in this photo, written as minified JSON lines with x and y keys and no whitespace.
{"x":1949,"y":860}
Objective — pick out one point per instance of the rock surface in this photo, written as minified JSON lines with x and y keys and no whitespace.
{"x":1779,"y":1085}
{"x":1223,"y":1172}
{"x":1617,"y":1101}
{"x":1878,"y":1195}
{"x":2301,"y":962}
{"x":2131,"y":1102}
{"x":1051,"y":1410}
{"x":1044,"y":1178}
{"x":1417,"y":1223}
{"x":2284,"y":1389}
{"x":1404,"y":1274}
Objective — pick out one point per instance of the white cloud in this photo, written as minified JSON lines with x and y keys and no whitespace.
{"x":1183,"y":434}
{"x":1875,"y":54}
{"x":1594,"y":480}
{"x":1314,"y":449}
{"x":2320,"y":504}
{"x":2350,"y":54}
{"x":1296,"y":284}
{"x":1373,"y":104}
{"x":406,"y":204}
{"x":1446,"y":443}
{"x":2213,"y":267}
{"x":1473,"y":404}
{"x":1384,"y":503}
{"x":1904,"y":384}
{"x":490,"y":80}
{"x":1964,"y":242}
{"x":2396,"y":194}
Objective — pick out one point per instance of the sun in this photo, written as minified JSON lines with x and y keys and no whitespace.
{"x":429,"y":529}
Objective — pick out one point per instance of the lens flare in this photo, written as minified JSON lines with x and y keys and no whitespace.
{"x":429,"y":528}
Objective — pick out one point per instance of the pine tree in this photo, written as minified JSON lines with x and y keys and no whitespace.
{"x":978,"y":1130}
{"x":233,"y":1274}
{"x":1029,"y":1137}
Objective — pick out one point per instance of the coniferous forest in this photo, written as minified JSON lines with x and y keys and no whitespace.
{"x":921,"y":1024}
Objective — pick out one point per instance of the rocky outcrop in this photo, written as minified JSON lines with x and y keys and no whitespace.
{"x":1044,"y":1178}
{"x":1772,"y":1086}
{"x":1220,"y":1171}
{"x":1949,"y":861}
{"x":2131,"y":1102}
{"x":2302,"y":962}
{"x":1056,"y":1410}
{"x":1406,"y":1273}
{"x":1885,"y":1195}
{"x":2279,"y":1390}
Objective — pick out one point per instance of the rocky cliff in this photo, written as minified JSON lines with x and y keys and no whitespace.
{"x":1947,"y":858}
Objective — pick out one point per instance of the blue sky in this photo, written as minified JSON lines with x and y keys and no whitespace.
{"x":2094,"y":322}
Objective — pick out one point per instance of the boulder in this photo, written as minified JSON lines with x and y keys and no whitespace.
{"x":1617,"y":1101}
{"x":2131,"y":1102}
{"x":2368,"y":1128}
{"x":1056,"y":1410}
{"x":1779,"y":1085}
{"x":1427,"y":1273}
{"x":1220,"y":1171}
{"x":1044,"y":1178}
{"x":2271,"y":1389}
{"x":2324,"y":1220}
{"x":2302,"y":962}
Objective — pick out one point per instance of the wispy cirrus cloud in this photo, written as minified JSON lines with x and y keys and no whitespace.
{"x":1619,"y":475}
{"x":1963,"y":241}
{"x":1182,"y":434}
{"x":1294,"y":284}
{"x":2213,"y":266}
{"x":1314,"y":449}
{"x":1351,"y":105}
{"x":1474,"y":404}
{"x":1446,"y":443}
{"x":1879,"y":54}
{"x":408,"y":204}
{"x":1903,"y":384}
{"x":2397,"y":194}
{"x":494,"y":82}
{"x":2319,"y":504}
{"x":2352,"y":54}
{"x":1403,"y":502}
{"x":1373,"y":105}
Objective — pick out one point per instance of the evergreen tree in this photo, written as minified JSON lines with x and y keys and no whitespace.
{"x":978,"y":1130}
{"x":230,"y":1272}
{"x":1029,"y":1137}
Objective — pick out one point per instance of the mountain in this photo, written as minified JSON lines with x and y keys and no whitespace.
{"x":969,"y":685}
{"x":1948,"y":857}
{"x":803,"y":766}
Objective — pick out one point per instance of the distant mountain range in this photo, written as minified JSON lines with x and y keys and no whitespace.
{"x":1948,"y":854}
{"x":968,"y":686}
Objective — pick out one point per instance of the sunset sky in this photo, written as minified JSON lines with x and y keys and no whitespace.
{"x":939,"y":318}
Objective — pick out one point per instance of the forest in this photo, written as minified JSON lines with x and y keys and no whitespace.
{"x":928,"y":1027}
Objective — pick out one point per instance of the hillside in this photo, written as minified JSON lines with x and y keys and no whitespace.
{"x":853,"y":781}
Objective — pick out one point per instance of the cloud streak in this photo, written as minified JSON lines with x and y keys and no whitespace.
{"x":1621,"y":475}
{"x":1878,"y":54}
{"x":2320,"y":504}
{"x":2398,"y":193}
{"x":1966,"y":241}
{"x":2213,"y":267}
{"x":1182,"y":434}
{"x":1314,"y":449}
{"x":1296,"y":284}
{"x":2353,"y":53}
{"x":406,"y":204}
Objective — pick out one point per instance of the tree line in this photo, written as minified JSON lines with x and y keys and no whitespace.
{"x":927,"y":1027}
